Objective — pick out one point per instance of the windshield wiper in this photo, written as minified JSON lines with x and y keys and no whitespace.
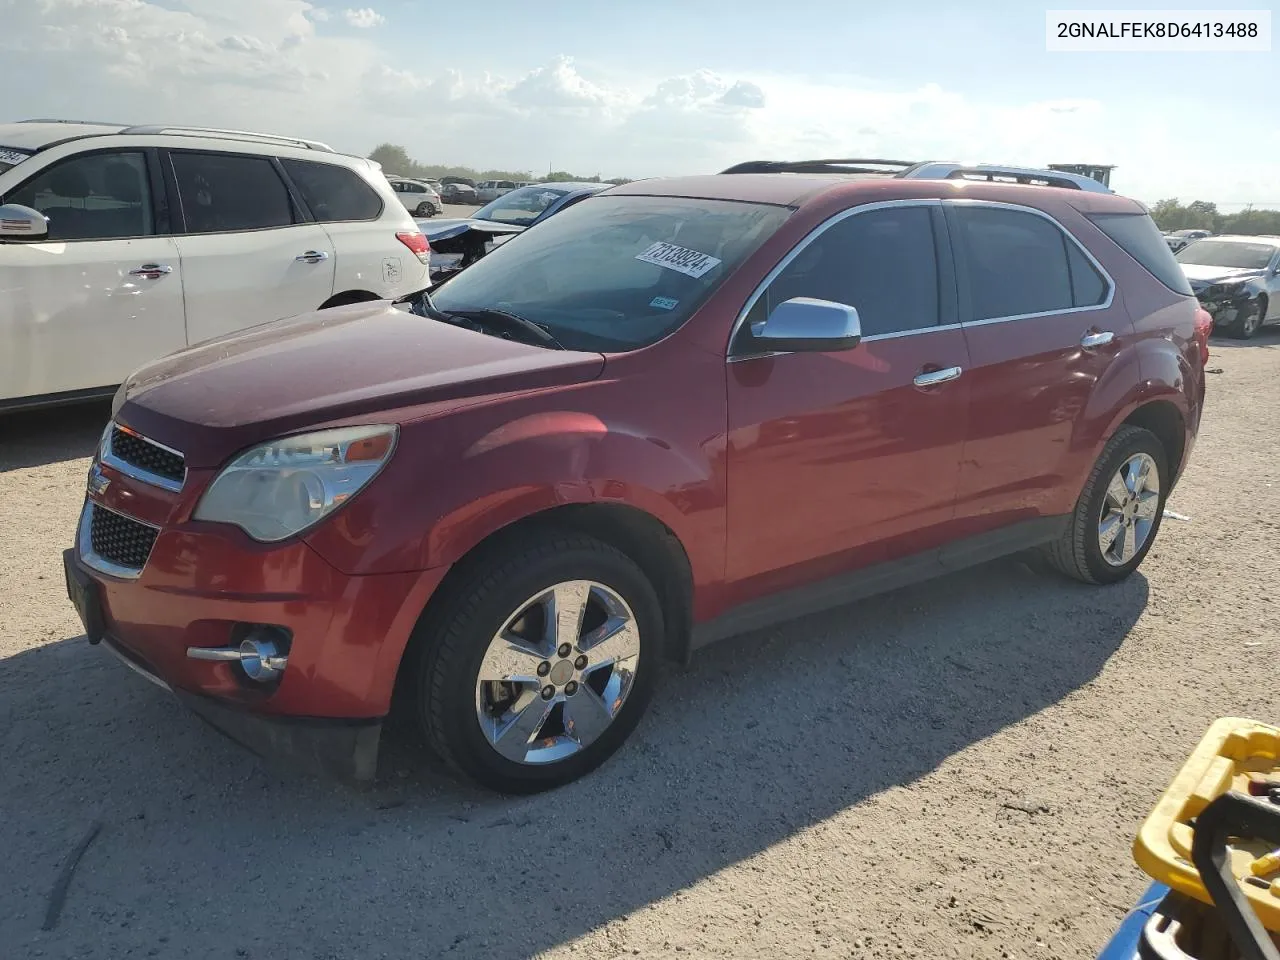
{"x":512,"y":323}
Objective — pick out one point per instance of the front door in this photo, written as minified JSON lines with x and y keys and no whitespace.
{"x":838,"y":460}
{"x":102,"y":295}
{"x":247,"y":255}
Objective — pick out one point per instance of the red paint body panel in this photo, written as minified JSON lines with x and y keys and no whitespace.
{"x":770,"y":472}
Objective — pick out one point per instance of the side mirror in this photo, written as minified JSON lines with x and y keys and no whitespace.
{"x":806,"y":325}
{"x":22,"y":223}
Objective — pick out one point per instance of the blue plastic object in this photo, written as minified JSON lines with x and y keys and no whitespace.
{"x":1124,"y":944}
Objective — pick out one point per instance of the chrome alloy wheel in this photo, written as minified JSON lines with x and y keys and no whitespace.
{"x":558,"y":672}
{"x":1129,"y":509}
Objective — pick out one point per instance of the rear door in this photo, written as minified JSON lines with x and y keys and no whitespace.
{"x":842,"y":459}
{"x":250,"y":254}
{"x":1043,"y":324}
{"x":102,"y":295}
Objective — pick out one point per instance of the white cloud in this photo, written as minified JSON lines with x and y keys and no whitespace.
{"x":262,"y":64}
{"x":364,"y":18}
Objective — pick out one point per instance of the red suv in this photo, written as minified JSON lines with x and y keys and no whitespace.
{"x":679,"y":410}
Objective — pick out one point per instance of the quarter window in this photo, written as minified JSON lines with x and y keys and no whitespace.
{"x":224,"y":193}
{"x":1019,"y":264}
{"x":335,"y":193}
{"x":883,"y":262}
{"x":97,"y":196}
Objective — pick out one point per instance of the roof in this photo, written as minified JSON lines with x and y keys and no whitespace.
{"x":570,"y":185}
{"x":787,"y":190}
{"x":1245,"y":238}
{"x":38,"y":135}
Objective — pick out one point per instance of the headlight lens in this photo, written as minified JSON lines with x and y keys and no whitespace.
{"x":281,"y":488}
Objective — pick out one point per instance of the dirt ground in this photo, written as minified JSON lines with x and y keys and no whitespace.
{"x":956,"y":769}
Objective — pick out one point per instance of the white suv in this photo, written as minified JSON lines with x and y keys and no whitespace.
{"x":490,"y":190}
{"x":119,"y":245}
{"x":418,"y":196}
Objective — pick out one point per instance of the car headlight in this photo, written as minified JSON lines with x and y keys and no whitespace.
{"x":284,"y":486}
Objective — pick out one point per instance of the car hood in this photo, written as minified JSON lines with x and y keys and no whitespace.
{"x":1208,"y":274}
{"x":436,"y":230}
{"x":373,"y":359}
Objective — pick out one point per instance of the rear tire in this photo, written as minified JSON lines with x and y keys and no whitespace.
{"x":424,"y":209}
{"x":508,"y":618}
{"x":1113,"y":526}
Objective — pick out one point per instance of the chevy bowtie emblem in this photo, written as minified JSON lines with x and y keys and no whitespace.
{"x":98,"y":481}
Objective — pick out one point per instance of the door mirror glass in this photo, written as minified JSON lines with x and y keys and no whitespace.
{"x":804,"y":324}
{"x":22,"y":223}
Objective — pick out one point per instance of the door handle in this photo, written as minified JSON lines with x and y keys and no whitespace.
{"x":313,"y":256}
{"x":152,"y":271}
{"x":934,"y":377}
{"x":1096,"y":339}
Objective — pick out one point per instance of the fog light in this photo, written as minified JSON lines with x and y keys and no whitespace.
{"x":260,"y":657}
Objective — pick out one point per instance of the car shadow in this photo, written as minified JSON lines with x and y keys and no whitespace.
{"x":39,"y":437}
{"x":762,"y":737}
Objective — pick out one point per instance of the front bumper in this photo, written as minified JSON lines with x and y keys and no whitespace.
{"x":201,"y":585}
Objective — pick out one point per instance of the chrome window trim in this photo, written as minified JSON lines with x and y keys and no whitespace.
{"x":84,"y":543}
{"x":106,"y":456}
{"x":1022,"y":208}
{"x":921,"y":202}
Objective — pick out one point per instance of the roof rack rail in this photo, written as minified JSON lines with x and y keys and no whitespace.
{"x":91,"y":123}
{"x":180,"y":131}
{"x":854,"y":165}
{"x":928,"y":170}
{"x":940,"y":170}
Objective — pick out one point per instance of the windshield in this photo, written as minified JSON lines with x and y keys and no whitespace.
{"x":1225,"y":253}
{"x":615,"y":273}
{"x":520,"y":207}
{"x":10,"y":157}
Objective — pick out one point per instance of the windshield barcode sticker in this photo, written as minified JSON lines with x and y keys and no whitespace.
{"x":12,"y":156}
{"x":681,"y":259}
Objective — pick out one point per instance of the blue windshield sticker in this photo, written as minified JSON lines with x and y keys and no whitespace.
{"x":663,"y":303}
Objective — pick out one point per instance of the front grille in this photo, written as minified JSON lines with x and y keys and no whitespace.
{"x":142,"y":453}
{"x":120,"y":540}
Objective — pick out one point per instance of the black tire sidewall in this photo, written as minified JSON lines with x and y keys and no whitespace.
{"x":1137,"y":441}
{"x":455,"y":714}
{"x":1241,"y":324}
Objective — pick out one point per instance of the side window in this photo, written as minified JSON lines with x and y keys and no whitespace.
{"x":335,"y":193}
{"x":223,"y":193}
{"x":98,"y":196}
{"x":1088,"y":288}
{"x":1017,"y":262}
{"x":882,"y":262}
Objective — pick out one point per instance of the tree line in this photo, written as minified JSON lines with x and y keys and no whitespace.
{"x":1202,"y":215}
{"x":396,"y":160}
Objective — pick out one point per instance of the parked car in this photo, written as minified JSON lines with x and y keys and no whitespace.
{"x":457,"y":243}
{"x":458,"y":193}
{"x":122,"y":244}
{"x":1177,"y":239}
{"x":1237,"y":279}
{"x":489,"y":190}
{"x":418,"y":196}
{"x":675,"y":411}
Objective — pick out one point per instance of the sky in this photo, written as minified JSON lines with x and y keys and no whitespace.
{"x":657,"y":88}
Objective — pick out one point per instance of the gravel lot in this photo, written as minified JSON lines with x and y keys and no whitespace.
{"x":956,"y":769}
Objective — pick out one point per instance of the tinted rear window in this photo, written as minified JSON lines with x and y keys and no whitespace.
{"x":1138,"y":235}
{"x":335,"y":193}
{"x":224,"y":193}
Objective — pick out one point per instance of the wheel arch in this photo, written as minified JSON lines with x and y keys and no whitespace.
{"x":348,"y":297}
{"x":1163,"y":418}
{"x":634,"y":532}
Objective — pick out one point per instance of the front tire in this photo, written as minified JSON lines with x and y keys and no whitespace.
{"x":1118,"y":515}
{"x":541,"y":665}
{"x":1248,"y":322}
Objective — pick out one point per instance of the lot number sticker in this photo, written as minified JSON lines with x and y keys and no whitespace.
{"x":681,"y":259}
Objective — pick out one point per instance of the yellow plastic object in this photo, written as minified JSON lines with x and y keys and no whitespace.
{"x":1230,"y":750}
